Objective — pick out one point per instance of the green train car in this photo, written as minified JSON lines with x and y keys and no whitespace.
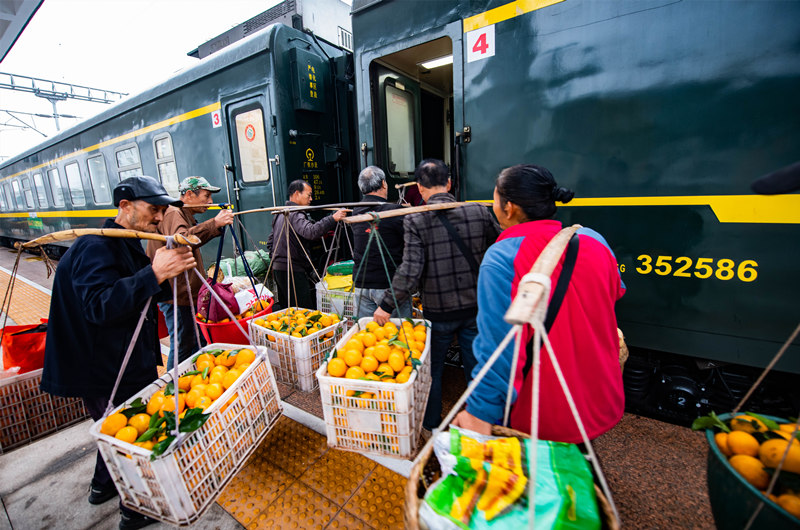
{"x":273,"y":108}
{"x":659,"y":114}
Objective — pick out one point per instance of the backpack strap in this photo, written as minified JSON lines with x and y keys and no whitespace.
{"x":558,"y":296}
{"x":473,"y":264}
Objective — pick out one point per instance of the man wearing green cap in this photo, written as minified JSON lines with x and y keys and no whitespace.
{"x":195,"y":193}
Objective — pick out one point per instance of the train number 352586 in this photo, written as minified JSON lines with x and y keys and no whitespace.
{"x":685,"y":267}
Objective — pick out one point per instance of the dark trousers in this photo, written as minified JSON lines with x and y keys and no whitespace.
{"x":187,"y":338}
{"x":96,"y":407}
{"x":294,"y":290}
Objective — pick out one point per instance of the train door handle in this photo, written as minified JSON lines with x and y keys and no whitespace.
{"x":277,"y":161}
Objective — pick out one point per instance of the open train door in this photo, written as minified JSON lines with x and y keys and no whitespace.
{"x":417,"y":104}
{"x":254,"y":168}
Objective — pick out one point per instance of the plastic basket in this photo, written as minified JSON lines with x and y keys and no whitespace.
{"x":390,"y":423}
{"x":227,"y":331}
{"x":178,"y":486}
{"x":295,"y":359}
{"x":27,"y":413}
{"x":343,"y":303}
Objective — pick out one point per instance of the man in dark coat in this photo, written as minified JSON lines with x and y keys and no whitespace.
{"x":99,"y":292}
{"x":370,"y":278}
{"x":294,"y":290}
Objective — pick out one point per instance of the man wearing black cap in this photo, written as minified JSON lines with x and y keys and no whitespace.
{"x":99,"y":292}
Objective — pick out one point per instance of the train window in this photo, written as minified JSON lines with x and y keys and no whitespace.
{"x":252,"y":145}
{"x":400,"y":129}
{"x":165,"y":161}
{"x":41,"y":195}
{"x":3,"y":205}
{"x":27,"y":193}
{"x":17,"y":194}
{"x":128,"y":162}
{"x":98,"y":175}
{"x":74,"y":183}
{"x":55,"y":187}
{"x":9,"y":196}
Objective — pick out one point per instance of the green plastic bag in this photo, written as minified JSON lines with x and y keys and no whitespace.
{"x":481,"y":494}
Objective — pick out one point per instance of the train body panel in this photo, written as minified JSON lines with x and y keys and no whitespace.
{"x":658,"y":114}
{"x":251,"y":119}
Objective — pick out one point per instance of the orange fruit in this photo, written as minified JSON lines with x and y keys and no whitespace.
{"x":154,"y":405}
{"x":198,"y":380}
{"x":379,"y":332}
{"x":337,"y":367}
{"x":721,"y":438}
{"x":204,"y":402}
{"x":203,"y":360}
{"x":113,"y":424}
{"x":385,"y":369}
{"x":216,"y":377}
{"x":790,"y":503}
{"x":382,"y":352}
{"x":369,"y":339}
{"x":145,"y":445}
{"x":402,"y":377}
{"x":354,"y":344}
{"x":325,"y":321}
{"x":742,"y":443}
{"x":354,"y":372}
{"x":369,"y":364}
{"x":245,"y":356}
{"x":352,"y":357}
{"x":193,"y":395}
{"x":185,"y":382}
{"x":214,"y":390}
{"x":746,"y":423}
{"x":169,"y":403}
{"x":230,"y":378}
{"x":127,"y":434}
{"x":140,"y":422}
{"x":372,"y":377}
{"x":224,"y":360}
{"x":751,"y":469}
{"x":397,"y":361}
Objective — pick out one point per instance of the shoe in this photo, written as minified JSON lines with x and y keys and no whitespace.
{"x":133,"y":520}
{"x":101,"y":495}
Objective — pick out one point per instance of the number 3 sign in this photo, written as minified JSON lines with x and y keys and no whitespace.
{"x":480,"y":43}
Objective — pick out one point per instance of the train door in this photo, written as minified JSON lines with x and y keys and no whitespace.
{"x":254,"y":165}
{"x":417,"y":105}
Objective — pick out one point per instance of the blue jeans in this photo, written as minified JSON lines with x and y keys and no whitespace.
{"x":441,"y":338}
{"x":368,"y":300}
{"x":186,"y":337}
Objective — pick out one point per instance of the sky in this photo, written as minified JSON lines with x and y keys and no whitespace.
{"x":118,"y":45}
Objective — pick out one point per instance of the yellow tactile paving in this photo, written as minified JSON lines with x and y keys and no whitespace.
{"x":28,"y":304}
{"x":294,"y":480}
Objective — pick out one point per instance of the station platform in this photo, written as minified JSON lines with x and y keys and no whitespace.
{"x":656,"y":471}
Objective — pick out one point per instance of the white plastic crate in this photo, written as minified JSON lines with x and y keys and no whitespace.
{"x":388,"y":424}
{"x":343,"y":303}
{"x":295,"y":359}
{"x":179,"y":485}
{"x":28,"y":413}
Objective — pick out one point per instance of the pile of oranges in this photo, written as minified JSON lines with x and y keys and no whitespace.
{"x":297,"y":322}
{"x":385,"y":353}
{"x":752,"y":447}
{"x":144,"y":424}
{"x":257,"y":307}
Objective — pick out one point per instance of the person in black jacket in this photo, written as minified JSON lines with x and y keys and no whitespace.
{"x":100,"y":289}
{"x":372,"y":273}
{"x":295,"y":289}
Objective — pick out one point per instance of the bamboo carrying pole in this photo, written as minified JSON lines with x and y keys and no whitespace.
{"x":66,"y":235}
{"x":282,"y":209}
{"x":414,"y":209}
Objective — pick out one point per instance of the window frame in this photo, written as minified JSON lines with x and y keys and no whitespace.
{"x":129,"y":167}
{"x":9,"y":195}
{"x":27,"y":192}
{"x":60,"y":197}
{"x":41,"y":186}
{"x":69,"y":184}
{"x":166,"y":160}
{"x":94,"y":179}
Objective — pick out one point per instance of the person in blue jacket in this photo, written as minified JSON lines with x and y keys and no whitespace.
{"x":99,"y":292}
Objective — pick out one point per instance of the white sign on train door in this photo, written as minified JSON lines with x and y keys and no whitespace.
{"x":480,"y":43}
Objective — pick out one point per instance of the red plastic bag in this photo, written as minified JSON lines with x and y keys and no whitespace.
{"x":23,"y":346}
{"x":209,"y":308}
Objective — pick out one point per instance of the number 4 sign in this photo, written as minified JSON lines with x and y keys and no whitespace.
{"x":480,"y":43}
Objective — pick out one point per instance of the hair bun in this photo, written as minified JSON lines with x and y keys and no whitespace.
{"x":562,"y":195}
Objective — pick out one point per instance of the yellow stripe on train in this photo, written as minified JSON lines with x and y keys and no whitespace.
{"x":138,"y":132}
{"x":754,"y":209}
{"x":505,"y":12}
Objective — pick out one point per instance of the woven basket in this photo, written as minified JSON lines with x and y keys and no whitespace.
{"x":426,"y":471}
